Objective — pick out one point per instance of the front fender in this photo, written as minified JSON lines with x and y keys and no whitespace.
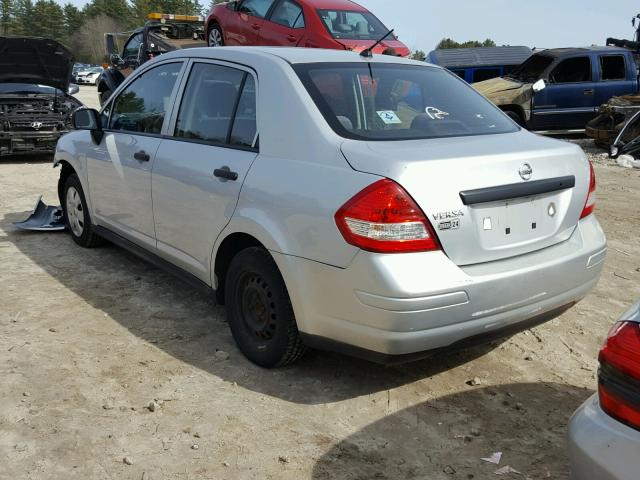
{"x":68,"y":151}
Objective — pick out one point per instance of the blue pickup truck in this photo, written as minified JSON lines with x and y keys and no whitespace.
{"x":561,"y":89}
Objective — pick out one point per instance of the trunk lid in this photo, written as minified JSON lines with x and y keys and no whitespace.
{"x":507,"y":219}
{"x":35,"y":61}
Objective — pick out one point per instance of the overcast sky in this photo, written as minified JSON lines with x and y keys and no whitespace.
{"x":540,"y":23}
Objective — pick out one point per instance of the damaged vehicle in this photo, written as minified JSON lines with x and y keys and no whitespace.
{"x":161,"y":33}
{"x":627,"y":142}
{"x":35,"y":96}
{"x":560,"y":90}
{"x":612,"y":118}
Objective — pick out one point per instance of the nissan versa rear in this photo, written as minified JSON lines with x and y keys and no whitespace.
{"x":373,"y":206}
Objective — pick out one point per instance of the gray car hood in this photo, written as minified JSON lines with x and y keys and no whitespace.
{"x":35,"y":60}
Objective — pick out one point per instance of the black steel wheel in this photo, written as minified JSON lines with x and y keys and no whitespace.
{"x":259,"y":310}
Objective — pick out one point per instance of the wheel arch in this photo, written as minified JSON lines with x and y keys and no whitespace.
{"x":226,"y":250}
{"x":517,"y":109}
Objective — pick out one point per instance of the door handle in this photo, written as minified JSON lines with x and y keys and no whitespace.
{"x":142,"y":156}
{"x":225,"y":173}
{"x":588,"y":91}
{"x":292,"y":39}
{"x":255,"y":26}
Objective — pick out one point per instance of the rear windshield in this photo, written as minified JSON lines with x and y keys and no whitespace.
{"x":378,"y":101}
{"x":350,"y":25}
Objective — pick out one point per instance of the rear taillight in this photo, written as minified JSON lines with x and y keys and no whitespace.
{"x":383,"y":218}
{"x":590,"y":204}
{"x":619,"y":374}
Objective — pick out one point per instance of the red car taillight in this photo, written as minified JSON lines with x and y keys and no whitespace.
{"x":619,"y":374}
{"x":590,"y":204}
{"x":383,"y":218}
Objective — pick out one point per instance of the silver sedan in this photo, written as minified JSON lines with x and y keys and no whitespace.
{"x":375,"y":206}
{"x":604,"y":434}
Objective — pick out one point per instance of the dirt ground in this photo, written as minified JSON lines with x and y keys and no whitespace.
{"x":88,"y":338}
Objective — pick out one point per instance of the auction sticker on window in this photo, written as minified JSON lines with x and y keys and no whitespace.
{"x":389,"y":117}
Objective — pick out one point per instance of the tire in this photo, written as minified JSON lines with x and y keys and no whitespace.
{"x":76,"y":214}
{"x":259,"y":310}
{"x":515,"y":117}
{"x":215,"y":38}
{"x":104,"y":96}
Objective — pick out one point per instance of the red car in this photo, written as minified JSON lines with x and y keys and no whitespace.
{"x":334,"y":24}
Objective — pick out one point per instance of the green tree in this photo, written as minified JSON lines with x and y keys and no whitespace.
{"x":73,"y":19}
{"x":7,"y":21}
{"x":47,"y":18}
{"x":23,"y":17}
{"x":446,"y":43}
{"x":419,"y":55}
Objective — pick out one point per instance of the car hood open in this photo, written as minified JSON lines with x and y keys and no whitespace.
{"x":35,"y":60}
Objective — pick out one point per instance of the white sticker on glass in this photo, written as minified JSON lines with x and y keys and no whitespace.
{"x":435,"y":113}
{"x":389,"y":117}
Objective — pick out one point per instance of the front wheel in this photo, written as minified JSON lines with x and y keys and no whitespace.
{"x":76,"y":214}
{"x":259,"y":310}
{"x":515,"y":117}
{"x":104,"y":96}
{"x":215,"y":38}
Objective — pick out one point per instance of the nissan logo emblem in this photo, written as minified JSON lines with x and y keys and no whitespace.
{"x":525,"y":172}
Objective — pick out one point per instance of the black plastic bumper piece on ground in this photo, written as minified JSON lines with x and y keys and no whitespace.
{"x":322,"y":343}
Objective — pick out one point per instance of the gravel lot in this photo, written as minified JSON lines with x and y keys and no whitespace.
{"x":90,"y":338}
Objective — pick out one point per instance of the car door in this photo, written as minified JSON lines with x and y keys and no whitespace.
{"x":568,"y":101}
{"x":614,"y":79}
{"x":199,"y":171}
{"x":119,"y":168}
{"x":285,"y":26}
{"x":244,"y":25}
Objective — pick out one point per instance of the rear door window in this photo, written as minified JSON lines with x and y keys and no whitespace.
{"x":218,"y":106}
{"x":572,"y":70}
{"x":256,"y":8}
{"x":378,"y":101}
{"x":613,"y":67}
{"x":142,"y":106}
{"x":288,"y":14}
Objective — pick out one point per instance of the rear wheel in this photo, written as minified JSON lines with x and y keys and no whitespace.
{"x":259,"y":310}
{"x":215,"y":38}
{"x":76,"y":214}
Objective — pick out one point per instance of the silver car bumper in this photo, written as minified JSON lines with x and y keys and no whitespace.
{"x":404,"y":304}
{"x":601,"y":448}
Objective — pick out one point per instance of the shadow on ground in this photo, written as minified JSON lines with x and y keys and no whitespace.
{"x":25,"y":159}
{"x":186,"y":324}
{"x":446,"y":438}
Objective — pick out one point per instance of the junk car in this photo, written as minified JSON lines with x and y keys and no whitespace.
{"x":35,"y":94}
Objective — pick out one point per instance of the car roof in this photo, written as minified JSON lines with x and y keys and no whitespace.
{"x":561,"y":52}
{"x":292,"y":55}
{"x":333,"y":5}
{"x":476,"y":57}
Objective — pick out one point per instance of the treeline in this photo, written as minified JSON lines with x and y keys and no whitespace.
{"x":82,"y":30}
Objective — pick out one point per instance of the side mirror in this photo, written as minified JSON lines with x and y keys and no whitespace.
{"x":116,"y":60}
{"x":110,"y":44}
{"x":539,"y":86}
{"x":88,"y":119}
{"x":73,"y":89}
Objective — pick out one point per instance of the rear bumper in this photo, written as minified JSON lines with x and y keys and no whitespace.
{"x":13,"y":143}
{"x":601,"y":448}
{"x":401,"y":305}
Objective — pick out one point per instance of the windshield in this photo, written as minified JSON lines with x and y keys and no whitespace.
{"x":532,"y":69}
{"x":26,"y":88}
{"x":351,"y":25}
{"x":369,"y":101}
